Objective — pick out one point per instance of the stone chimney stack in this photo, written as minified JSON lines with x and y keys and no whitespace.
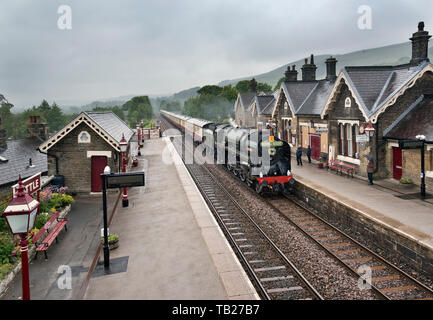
{"x":309,"y":70}
{"x":3,"y":138}
{"x":420,"y":45}
{"x":291,"y":75}
{"x":253,"y":85}
{"x":37,"y":129}
{"x":331,"y":69}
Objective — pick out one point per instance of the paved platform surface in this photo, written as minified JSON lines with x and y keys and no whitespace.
{"x":76,"y":249}
{"x":413,"y":218}
{"x":174,"y":247}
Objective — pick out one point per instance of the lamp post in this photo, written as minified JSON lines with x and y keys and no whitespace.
{"x":422,"y":138}
{"x":20,"y":215}
{"x":107,"y":171}
{"x":369,"y":130}
{"x":123,"y":149}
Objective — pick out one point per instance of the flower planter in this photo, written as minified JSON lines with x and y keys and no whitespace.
{"x":113,"y":244}
{"x":320,"y":165}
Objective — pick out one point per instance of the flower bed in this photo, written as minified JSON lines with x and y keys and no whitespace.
{"x":51,"y":201}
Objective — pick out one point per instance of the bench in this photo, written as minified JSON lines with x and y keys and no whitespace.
{"x":341,"y":167}
{"x":49,"y":239}
{"x":35,"y":237}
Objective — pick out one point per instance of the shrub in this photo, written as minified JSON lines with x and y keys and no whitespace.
{"x":406,"y":180}
{"x":42,"y":219}
{"x":6,"y":248}
{"x":5,"y":269}
{"x":111,"y":237}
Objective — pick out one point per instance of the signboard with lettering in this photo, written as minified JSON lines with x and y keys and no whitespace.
{"x":322,"y":130}
{"x":410,"y":144}
{"x":154,"y":134}
{"x":362,"y":138}
{"x":32,"y":184}
{"x":125,"y":180}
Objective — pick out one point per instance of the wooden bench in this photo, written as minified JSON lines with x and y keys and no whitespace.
{"x":341,"y":167}
{"x":49,"y":239}
{"x":41,"y":231}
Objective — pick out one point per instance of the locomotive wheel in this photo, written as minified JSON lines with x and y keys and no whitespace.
{"x":235,"y":172}
{"x":257,"y":187}
{"x":242,"y":176}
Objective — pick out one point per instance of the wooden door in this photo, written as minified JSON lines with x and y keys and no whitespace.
{"x":97,"y":167}
{"x":397,"y":163}
{"x":315,"y":146}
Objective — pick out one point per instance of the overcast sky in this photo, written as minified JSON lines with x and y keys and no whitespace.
{"x":127,"y":47}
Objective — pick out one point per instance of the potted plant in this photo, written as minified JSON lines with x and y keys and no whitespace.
{"x":113,"y":241}
{"x":320,"y":165}
{"x":406,"y":182}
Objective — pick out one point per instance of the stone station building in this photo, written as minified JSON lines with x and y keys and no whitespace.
{"x":80,"y":151}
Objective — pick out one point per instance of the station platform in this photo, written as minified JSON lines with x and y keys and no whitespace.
{"x":385,"y":203}
{"x":170,"y":243}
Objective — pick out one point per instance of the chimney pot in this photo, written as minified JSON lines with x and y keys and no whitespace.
{"x":331,"y":72}
{"x":420,"y":41}
{"x":291,"y":75}
{"x":309,"y":70}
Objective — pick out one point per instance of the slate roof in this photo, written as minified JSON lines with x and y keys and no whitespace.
{"x":376,"y":85}
{"x":111,"y":124}
{"x":247,"y":98}
{"x":18,"y":153}
{"x":416,"y":120}
{"x":112,"y":128}
{"x":262,"y":102}
{"x":315,"y":102}
{"x":297,"y":92}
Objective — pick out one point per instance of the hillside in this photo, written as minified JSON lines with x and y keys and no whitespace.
{"x":388,"y":55}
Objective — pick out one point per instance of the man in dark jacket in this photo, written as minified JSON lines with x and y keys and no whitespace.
{"x":370,"y":170}
{"x":309,"y":154}
{"x":299,"y":155}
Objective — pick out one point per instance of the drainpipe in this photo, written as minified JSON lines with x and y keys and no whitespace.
{"x":54,"y":156}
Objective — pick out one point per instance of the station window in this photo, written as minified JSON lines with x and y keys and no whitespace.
{"x":347,"y":140}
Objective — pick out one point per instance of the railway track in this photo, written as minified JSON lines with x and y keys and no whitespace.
{"x":274,"y":275}
{"x":387,"y":280}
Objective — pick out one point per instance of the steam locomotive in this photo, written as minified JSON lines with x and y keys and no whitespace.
{"x":262,"y":162}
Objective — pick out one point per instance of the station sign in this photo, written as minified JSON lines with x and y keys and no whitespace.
{"x":321,"y":130}
{"x":154,"y":134}
{"x":411,"y":144}
{"x":125,"y":180}
{"x":31,"y":185}
{"x":362,"y":138}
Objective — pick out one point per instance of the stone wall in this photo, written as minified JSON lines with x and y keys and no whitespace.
{"x":367,"y":231}
{"x":73,"y":161}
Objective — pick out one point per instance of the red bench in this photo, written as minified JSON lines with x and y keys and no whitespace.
{"x":341,"y":167}
{"x":35,"y":237}
{"x":43,"y":246}
{"x":49,"y":239}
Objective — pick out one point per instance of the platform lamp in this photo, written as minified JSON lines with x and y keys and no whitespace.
{"x":20,"y":215}
{"x":422,"y":138}
{"x":369,"y":130}
{"x":123,"y":148}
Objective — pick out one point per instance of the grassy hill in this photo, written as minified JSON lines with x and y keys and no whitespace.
{"x":388,"y":55}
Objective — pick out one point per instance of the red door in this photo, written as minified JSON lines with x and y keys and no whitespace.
{"x":315,"y":147}
{"x":97,"y":167}
{"x":397,"y":163}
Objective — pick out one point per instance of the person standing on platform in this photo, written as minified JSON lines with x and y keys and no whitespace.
{"x":299,"y":155}
{"x":370,"y":169}
{"x":309,"y":154}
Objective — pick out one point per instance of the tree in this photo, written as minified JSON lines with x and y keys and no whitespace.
{"x":139,"y":108}
{"x":211,"y":90}
{"x":278,"y":85}
{"x":170,"y":105}
{"x":252,"y":86}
